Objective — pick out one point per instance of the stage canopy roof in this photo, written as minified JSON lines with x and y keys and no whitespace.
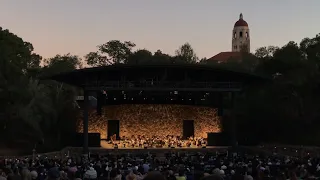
{"x":174,"y":72}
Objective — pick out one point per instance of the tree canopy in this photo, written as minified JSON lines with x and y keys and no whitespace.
{"x":276,"y":111}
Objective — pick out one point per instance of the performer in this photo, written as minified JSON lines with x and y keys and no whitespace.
{"x":113,"y":138}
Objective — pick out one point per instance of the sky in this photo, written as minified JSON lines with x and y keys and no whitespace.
{"x":78,"y":26}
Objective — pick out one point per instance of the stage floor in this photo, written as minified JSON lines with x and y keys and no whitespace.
{"x":107,"y":146}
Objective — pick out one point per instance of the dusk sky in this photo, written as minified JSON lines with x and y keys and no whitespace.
{"x":78,"y":26}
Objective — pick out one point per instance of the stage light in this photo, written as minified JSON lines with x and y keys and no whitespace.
{"x":114,"y":98}
{"x":175,"y":92}
{"x":189,"y":99}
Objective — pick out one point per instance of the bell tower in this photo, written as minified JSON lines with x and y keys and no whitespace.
{"x":241,"y":36}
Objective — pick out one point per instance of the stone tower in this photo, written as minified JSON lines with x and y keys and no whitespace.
{"x":241,"y":36}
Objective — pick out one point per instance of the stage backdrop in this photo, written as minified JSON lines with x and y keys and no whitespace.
{"x":149,"y":120}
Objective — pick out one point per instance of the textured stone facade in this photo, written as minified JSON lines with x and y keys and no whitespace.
{"x":149,"y":120}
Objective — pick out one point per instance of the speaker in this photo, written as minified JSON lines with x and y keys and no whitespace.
{"x":188,"y":128}
{"x":113,"y":128}
{"x":218,"y":139}
{"x":93,"y":140}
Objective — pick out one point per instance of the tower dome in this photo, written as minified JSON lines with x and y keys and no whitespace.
{"x":241,"y":22}
{"x":241,"y":36}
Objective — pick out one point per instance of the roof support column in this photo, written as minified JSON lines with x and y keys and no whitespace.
{"x":220,"y":104}
{"x":85,"y":122}
{"x":233,"y":122}
{"x":99,"y":102}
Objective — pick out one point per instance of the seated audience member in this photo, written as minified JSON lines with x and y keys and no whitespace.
{"x":154,"y":175}
{"x":212,"y":177}
{"x":181,"y":175}
{"x":115,"y":174}
{"x":91,"y":173}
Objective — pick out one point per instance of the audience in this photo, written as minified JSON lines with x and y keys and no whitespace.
{"x":164,"y":166}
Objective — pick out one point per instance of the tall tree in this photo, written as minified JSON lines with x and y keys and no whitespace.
{"x":17,"y":52}
{"x":112,"y":52}
{"x":311,"y":48}
{"x":186,"y":54}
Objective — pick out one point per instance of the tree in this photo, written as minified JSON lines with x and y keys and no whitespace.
{"x":96,"y":59}
{"x":112,"y":52}
{"x":160,"y":58}
{"x":35,"y":105}
{"x":265,"y":52}
{"x":61,"y":98}
{"x":62,"y":63}
{"x":17,"y":52}
{"x":141,"y":56}
{"x":311,"y":48}
{"x":16,"y":58}
{"x":186,"y":54}
{"x":203,"y":61}
{"x":291,"y":103}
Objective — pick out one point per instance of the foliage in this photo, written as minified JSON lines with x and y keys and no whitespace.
{"x":112,"y":52}
{"x":186,"y":53}
{"x":117,"y":52}
{"x":286,"y":110}
{"x":39,"y":107}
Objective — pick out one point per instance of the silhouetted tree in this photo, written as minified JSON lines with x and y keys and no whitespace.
{"x":186,"y":54}
{"x":112,"y":52}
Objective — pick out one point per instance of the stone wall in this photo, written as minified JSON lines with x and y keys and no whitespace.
{"x":149,"y":120}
